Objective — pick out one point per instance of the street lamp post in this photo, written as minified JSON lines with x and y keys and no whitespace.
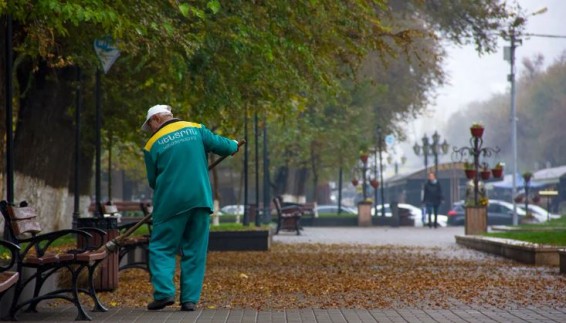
{"x":527,"y":181}
{"x":434,"y":149}
{"x":380,"y":147}
{"x":393,"y":160}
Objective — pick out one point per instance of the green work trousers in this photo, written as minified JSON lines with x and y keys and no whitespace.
{"x":185,"y":234}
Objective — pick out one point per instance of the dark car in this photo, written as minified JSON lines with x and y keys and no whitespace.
{"x":498,"y":213}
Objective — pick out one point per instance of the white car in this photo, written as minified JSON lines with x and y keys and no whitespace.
{"x":498,"y":213}
{"x":333,"y":209}
{"x":541,"y":214}
{"x":416,"y":213}
{"x":232,"y":210}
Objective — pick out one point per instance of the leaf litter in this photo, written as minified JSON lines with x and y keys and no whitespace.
{"x":358,"y":276}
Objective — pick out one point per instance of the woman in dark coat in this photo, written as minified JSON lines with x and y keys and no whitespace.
{"x":432,"y":197}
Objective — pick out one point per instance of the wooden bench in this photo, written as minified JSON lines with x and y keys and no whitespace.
{"x":8,"y":278}
{"x":130,"y":245}
{"x":288,"y":217}
{"x":41,"y":260}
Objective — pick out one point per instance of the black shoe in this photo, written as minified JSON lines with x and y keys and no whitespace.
{"x":160,"y":304}
{"x":188,"y":306}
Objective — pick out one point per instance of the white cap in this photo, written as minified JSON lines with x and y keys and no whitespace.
{"x":160,"y":108}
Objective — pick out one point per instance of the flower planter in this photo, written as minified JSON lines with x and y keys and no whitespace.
{"x":364,"y":158}
{"x":355,"y":182}
{"x":364,"y":214}
{"x":485,"y":174}
{"x":476,"y":220}
{"x":497,"y":172}
{"x":470,"y":173}
{"x":374,"y":183}
{"x":477,"y":132}
{"x":256,"y":240}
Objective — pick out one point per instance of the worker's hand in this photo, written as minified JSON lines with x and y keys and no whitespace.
{"x":237,"y":147}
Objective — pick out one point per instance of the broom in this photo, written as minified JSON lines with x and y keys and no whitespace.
{"x":114,"y":244}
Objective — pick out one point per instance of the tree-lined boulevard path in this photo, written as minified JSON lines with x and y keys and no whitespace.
{"x":373,"y":274}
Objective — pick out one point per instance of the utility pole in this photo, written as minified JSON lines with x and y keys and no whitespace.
{"x":509,"y":55}
{"x":511,"y":79}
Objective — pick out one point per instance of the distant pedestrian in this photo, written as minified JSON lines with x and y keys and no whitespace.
{"x":432,"y":197}
{"x":177,"y":171}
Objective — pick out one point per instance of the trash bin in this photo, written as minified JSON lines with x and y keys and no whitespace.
{"x":107,"y":271}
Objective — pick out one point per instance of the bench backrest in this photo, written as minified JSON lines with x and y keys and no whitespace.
{"x":20,"y":220}
{"x":277,"y":203}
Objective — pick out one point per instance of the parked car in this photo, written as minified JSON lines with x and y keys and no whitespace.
{"x":541,"y":214}
{"x":333,"y":209}
{"x":416,"y":214}
{"x":232,"y":210}
{"x":498,"y":213}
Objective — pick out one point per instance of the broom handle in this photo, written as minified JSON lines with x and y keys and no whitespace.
{"x":240,"y":143}
{"x":148,"y":217}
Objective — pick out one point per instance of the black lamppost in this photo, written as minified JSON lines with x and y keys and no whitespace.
{"x":374,"y":182}
{"x":527,"y":181}
{"x":380,"y":147}
{"x":433,"y":149}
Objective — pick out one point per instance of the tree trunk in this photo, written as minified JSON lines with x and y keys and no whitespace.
{"x":314,"y":163}
{"x":44,"y":145}
{"x":3,"y":102}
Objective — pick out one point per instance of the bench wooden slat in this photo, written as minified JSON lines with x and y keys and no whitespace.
{"x":22,"y":213}
{"x":8,"y":279}
{"x":110,"y":209}
{"x":27,"y":225}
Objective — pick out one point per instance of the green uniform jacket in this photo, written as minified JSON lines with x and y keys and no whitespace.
{"x":177,"y":166}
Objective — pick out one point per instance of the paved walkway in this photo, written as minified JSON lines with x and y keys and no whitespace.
{"x":424,"y":237}
{"x":306,"y":316}
{"x":403,"y":236}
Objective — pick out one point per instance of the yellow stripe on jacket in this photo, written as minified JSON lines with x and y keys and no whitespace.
{"x":169,"y":129}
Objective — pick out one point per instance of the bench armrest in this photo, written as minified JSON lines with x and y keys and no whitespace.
{"x":41,"y":243}
{"x":14,"y":249}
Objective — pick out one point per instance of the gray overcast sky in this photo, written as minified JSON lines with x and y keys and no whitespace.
{"x":476,"y":78}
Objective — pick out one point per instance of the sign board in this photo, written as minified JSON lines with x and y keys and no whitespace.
{"x":390,"y":140}
{"x":106,"y":51}
{"x":507,"y":53}
{"x":548,"y":193}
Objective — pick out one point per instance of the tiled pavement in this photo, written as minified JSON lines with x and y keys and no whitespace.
{"x":68,"y":314}
{"x":443,"y":237}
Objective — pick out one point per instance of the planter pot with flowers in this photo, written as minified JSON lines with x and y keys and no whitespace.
{"x":470,"y":170}
{"x":374,"y":183}
{"x":485,"y":173}
{"x":470,"y":173}
{"x":497,"y":171}
{"x":477,"y":130}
